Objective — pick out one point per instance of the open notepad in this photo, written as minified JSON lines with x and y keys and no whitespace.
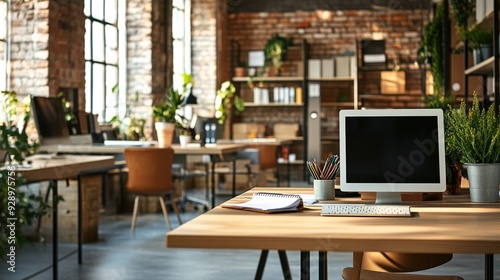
{"x":266,"y":202}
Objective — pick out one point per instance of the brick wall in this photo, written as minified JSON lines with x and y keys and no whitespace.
{"x":47,"y":50}
{"x":203,"y":45}
{"x":66,"y":49}
{"x":334,"y":33}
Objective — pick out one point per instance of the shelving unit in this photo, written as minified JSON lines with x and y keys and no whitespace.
{"x":331,"y":100}
{"x":490,"y":66}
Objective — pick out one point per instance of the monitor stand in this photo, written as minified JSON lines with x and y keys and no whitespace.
{"x":388,"y":198}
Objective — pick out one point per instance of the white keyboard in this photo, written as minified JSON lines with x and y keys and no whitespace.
{"x":366,"y":210}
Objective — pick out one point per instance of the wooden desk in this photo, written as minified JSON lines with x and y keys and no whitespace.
{"x":47,"y":168}
{"x":217,"y":152}
{"x":453,"y":225}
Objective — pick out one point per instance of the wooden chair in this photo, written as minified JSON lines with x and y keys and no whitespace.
{"x":150,"y":174}
{"x":388,"y":266}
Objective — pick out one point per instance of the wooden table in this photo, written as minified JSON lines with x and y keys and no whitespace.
{"x":453,"y":225}
{"x":50,"y":168}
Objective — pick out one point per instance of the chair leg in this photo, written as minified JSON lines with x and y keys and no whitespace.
{"x":134,"y":215}
{"x":176,"y":210}
{"x":357,"y":262}
{"x":165,"y":212}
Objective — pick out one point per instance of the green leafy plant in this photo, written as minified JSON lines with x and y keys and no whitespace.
{"x":274,"y":51}
{"x":474,"y":135}
{"x":480,"y":36}
{"x":462,"y":11}
{"x":22,"y":208}
{"x":225,"y":100}
{"x":167,"y":110}
{"x":431,"y":49}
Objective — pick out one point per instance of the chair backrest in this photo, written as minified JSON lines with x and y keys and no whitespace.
{"x":402,"y":262}
{"x":150,"y":170}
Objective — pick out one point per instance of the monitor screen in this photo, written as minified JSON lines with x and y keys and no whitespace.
{"x":392,"y":151}
{"x":48,"y":113}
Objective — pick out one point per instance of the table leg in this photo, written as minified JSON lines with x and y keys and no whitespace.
{"x":53,"y":186}
{"x":285,"y":267}
{"x":305,"y":264}
{"x":488,"y":267}
{"x":262,"y":264}
{"x":323,"y":265}
{"x":213,"y":181}
{"x":80,"y":237}
{"x":234,"y":177}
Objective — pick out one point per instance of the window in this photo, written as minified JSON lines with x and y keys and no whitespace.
{"x":4,"y":44}
{"x":102,"y":59}
{"x":181,"y":40}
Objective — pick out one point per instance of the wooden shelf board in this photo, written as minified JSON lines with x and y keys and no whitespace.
{"x":482,"y":68}
{"x":330,"y":79}
{"x":338,"y":104}
{"x":268,"y":79}
{"x":272,"y":104}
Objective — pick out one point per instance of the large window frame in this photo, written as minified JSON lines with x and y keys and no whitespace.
{"x":181,"y":41}
{"x":104,"y":60}
{"x":5,"y":44}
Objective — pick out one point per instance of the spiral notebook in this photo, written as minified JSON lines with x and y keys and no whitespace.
{"x":266,"y":202}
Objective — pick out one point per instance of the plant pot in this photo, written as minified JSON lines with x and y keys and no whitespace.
{"x":184,"y":140}
{"x":482,"y":53}
{"x":239,"y":72}
{"x":484,"y":180}
{"x":165,"y":133}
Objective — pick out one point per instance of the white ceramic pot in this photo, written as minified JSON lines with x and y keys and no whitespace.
{"x":165,"y":133}
{"x":184,"y":140}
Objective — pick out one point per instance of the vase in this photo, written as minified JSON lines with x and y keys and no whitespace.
{"x":184,"y":140}
{"x":165,"y":133}
{"x":484,"y":180}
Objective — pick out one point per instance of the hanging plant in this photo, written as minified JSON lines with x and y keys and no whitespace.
{"x":223,"y":100}
{"x":462,"y":12}
{"x":433,"y":48}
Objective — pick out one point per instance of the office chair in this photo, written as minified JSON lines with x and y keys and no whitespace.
{"x":387,"y":266}
{"x":150,"y":174}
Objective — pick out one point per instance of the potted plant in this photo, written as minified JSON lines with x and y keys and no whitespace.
{"x":475,"y":137}
{"x":481,"y":40}
{"x":240,"y":70}
{"x":165,"y":117}
{"x":274,"y":52}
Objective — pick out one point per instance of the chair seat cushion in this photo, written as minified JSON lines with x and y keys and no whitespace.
{"x":348,"y":272}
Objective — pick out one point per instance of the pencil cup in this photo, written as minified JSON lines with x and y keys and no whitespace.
{"x":324,"y":189}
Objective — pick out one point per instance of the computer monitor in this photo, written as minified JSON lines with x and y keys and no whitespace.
{"x":390,"y":151}
{"x":48,"y":113}
{"x":206,"y":129}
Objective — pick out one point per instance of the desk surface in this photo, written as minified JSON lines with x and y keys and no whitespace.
{"x":46,"y":167}
{"x":192,"y":149}
{"x":453,"y":225}
{"x":258,"y":141}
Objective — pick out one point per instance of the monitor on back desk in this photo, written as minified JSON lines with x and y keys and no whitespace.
{"x":48,"y":113}
{"x":389,"y":151}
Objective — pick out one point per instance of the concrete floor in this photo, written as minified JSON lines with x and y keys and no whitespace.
{"x":120,"y":255}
